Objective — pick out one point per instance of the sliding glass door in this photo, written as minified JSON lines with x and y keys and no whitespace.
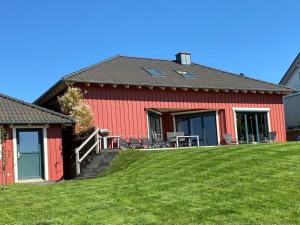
{"x":252,"y":126}
{"x":201,"y":124}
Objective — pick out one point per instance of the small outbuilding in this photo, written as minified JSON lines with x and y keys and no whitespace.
{"x":33,"y":147}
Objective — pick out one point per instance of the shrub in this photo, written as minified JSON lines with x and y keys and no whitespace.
{"x":72,"y":104}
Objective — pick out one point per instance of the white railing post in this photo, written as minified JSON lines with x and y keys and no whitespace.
{"x":77,"y":162}
{"x":98,"y":145}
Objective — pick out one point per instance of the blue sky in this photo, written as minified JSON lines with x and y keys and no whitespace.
{"x":42,"y":41}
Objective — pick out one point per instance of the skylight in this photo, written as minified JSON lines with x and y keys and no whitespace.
{"x":154,"y":72}
{"x":186,"y":74}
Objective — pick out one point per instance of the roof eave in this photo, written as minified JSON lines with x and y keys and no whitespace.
{"x":51,"y":92}
{"x":35,"y":123}
{"x":287,"y":89}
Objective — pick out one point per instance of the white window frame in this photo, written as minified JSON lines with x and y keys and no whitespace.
{"x":235,"y":110}
{"x":45,"y":149}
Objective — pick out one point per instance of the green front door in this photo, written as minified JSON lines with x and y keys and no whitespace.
{"x":30,"y":149}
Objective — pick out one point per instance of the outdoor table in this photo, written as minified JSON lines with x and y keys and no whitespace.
{"x":190,"y":137}
{"x":105,"y":141}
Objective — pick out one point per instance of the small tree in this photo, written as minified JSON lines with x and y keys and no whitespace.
{"x":72,"y":104}
{"x":3,"y":156}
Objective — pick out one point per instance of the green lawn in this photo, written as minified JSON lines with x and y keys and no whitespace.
{"x":249,"y":184}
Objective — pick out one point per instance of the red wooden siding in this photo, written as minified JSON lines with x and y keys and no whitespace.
{"x":8,"y":145}
{"x":122,"y":110}
{"x":55,"y":160}
{"x":55,"y":157}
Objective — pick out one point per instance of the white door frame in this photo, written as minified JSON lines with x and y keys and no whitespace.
{"x":148,"y":122}
{"x":235,"y":110}
{"x":45,"y":149}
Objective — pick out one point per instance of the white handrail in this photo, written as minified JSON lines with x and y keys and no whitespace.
{"x":86,"y":154}
{"x":77,"y":150}
{"x":87,"y":140}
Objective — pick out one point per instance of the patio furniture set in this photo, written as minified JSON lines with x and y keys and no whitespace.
{"x":271,"y":138}
{"x":174,"y":139}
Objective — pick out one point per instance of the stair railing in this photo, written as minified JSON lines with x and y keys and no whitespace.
{"x":77,"y":150}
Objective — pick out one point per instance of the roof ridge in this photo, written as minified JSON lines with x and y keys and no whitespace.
{"x":67,"y":77}
{"x":246,"y":77}
{"x":36,"y":107}
{"x":136,"y":57}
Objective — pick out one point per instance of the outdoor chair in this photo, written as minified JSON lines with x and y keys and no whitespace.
{"x":242,"y":140}
{"x":147,"y":143}
{"x":158,"y":141}
{"x":161,"y":143}
{"x":229,"y":140}
{"x":135,"y":143}
{"x":156,"y":135}
{"x":251,"y":138}
{"x":171,"y":138}
{"x":124,"y":144}
{"x":262,"y":138}
{"x":272,"y":137}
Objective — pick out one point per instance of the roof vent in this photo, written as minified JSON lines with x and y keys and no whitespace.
{"x":183,"y":58}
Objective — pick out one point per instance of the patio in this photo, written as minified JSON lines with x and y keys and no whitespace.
{"x":177,"y":128}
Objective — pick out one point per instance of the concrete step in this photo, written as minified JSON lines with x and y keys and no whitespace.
{"x":96,"y":164}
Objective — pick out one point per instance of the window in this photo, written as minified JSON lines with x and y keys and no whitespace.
{"x":154,"y":72}
{"x":201,"y":124}
{"x":186,"y":74}
{"x":252,"y":126}
{"x":154,"y":125}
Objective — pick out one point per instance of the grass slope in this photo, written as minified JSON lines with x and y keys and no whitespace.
{"x":249,"y":184}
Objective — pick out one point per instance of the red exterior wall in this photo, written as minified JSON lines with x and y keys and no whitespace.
{"x":55,"y":160}
{"x":8,"y":147}
{"x":55,"y":154}
{"x":122,"y":110}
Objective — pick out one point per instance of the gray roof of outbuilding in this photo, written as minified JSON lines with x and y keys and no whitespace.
{"x":17,"y":112}
{"x":124,"y":70}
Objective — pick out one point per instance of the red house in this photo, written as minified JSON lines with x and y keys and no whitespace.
{"x":33,"y":147}
{"x":136,"y":97}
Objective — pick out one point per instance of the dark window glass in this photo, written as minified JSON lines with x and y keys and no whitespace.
{"x":154,"y":71}
{"x":241,"y":126}
{"x":186,"y":74}
{"x":252,"y":126}
{"x":155,"y":125}
{"x":203,"y":125}
{"x":182,"y":125}
{"x":210,"y":130}
{"x":251,"y":123}
{"x":29,"y":142}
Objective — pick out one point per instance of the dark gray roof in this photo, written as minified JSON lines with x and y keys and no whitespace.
{"x":125,"y":70}
{"x":14,"y":111}
{"x":290,"y":71}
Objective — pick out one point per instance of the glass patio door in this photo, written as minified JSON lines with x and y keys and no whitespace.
{"x":202,"y":125}
{"x":252,"y":126}
{"x":154,"y":120}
